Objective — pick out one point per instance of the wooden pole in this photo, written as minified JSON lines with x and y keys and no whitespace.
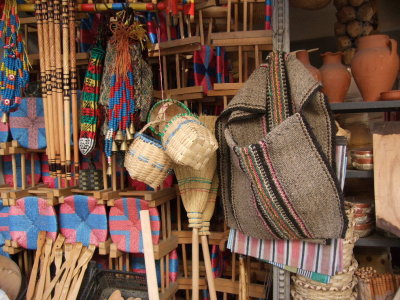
{"x":66,"y":87}
{"x":23,"y":170}
{"x":14,"y":171}
{"x":209,"y":273}
{"x":50,"y":110}
{"x":74,"y":87}
{"x":195,"y":264}
{"x":59,"y":86}
{"x":151,"y":275}
{"x":53,"y":83}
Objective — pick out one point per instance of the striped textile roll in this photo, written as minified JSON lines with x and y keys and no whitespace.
{"x":83,"y":220}
{"x":4,"y":224}
{"x":268,"y":14}
{"x":7,"y":169}
{"x":173,"y":265}
{"x":125,"y":227}
{"x":218,"y":261}
{"x":28,"y":217}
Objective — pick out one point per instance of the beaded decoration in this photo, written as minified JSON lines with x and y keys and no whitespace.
{"x":14,"y":74}
{"x":90,"y":99}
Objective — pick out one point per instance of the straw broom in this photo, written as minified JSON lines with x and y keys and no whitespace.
{"x":66,"y":87}
{"x":74,"y":86}
{"x":194,"y":187}
{"x":50,"y":15}
{"x":58,"y":72}
{"x":46,"y":52}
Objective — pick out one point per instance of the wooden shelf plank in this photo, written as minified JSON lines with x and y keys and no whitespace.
{"x":378,"y":240}
{"x":357,"y":107}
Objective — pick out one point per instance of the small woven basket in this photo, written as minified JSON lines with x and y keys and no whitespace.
{"x":146,"y":160}
{"x":167,"y":108}
{"x":188,"y":142}
{"x":296,"y":296}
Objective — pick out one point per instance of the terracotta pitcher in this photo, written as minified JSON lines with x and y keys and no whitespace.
{"x":302,"y":55}
{"x":335,"y":77}
{"x":375,"y":65}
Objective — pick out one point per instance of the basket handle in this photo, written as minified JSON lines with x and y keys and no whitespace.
{"x":149,"y":124}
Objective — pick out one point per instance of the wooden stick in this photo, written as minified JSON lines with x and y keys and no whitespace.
{"x":201,"y":27}
{"x":58,"y":85}
{"x":32,"y":170}
{"x":151,"y":275}
{"x":229,"y":16}
{"x":23,"y":170}
{"x":195,"y":264}
{"x":209,"y":273}
{"x":74,"y":87}
{"x":104,"y":164}
{"x":66,"y":86}
{"x":184,"y":257}
{"x":14,"y":171}
{"x":32,"y":279}
{"x":114,"y":172}
{"x":47,"y":251}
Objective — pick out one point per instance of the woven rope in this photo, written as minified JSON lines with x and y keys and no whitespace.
{"x":188,"y":142}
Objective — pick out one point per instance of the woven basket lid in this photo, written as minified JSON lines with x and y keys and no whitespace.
{"x":83,"y":220}
{"x":7,"y":169}
{"x":10,"y":277}
{"x":125,"y":227}
{"x":205,"y":68}
{"x":4,"y":223}
{"x":27,"y":124}
{"x":28,"y":217}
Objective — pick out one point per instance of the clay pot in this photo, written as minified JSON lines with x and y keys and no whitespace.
{"x":302,"y":55}
{"x":335,"y":77}
{"x":375,"y":65}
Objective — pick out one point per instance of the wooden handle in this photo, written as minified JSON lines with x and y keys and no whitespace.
{"x":151,"y":275}
{"x":207,"y":262}
{"x":195,"y":264}
{"x":32,"y":279}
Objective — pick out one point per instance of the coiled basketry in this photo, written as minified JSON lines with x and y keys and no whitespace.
{"x":188,"y":141}
{"x":146,"y":160}
{"x":164,"y":111}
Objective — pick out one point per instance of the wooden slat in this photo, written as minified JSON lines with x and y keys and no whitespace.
{"x":169,"y":291}
{"x":175,"y":50}
{"x":165,"y":247}
{"x":222,"y":92}
{"x":232,"y":287}
{"x":244,"y":41}
{"x":205,"y":4}
{"x":228,"y":86}
{"x":186,"y":90}
{"x":241,"y":34}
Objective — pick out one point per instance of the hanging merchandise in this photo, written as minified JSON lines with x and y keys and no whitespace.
{"x":89,"y":102}
{"x":83,"y":220}
{"x":14,"y":74}
{"x":27,"y":124}
{"x":265,"y":194}
{"x":122,"y":103}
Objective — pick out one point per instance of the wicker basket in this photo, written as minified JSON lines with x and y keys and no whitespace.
{"x":296,"y":296}
{"x":188,"y":142}
{"x":165,"y":110}
{"x":318,"y":292}
{"x":146,"y":160}
{"x":339,"y":280}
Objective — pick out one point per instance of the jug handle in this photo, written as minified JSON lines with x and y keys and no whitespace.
{"x":393,"y":47}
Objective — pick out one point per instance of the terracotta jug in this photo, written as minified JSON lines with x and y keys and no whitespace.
{"x":302,"y":55}
{"x":335,"y":77}
{"x":375,"y":65}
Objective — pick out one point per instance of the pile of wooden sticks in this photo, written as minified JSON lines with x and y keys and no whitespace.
{"x":70,"y":262}
{"x":57,"y":52}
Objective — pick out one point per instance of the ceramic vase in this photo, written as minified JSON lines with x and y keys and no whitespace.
{"x":375,"y":65}
{"x":335,"y":77}
{"x":302,"y":55}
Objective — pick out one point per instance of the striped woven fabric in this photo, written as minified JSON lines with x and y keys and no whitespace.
{"x":222,"y":65}
{"x":324,"y":259}
{"x":5,"y":134}
{"x":173,"y":265}
{"x":4,"y":224}
{"x":141,"y":186}
{"x":27,"y":124}
{"x":28,"y":217}
{"x":125,"y":227}
{"x":7,"y":169}
{"x":205,"y":68}
{"x":88,"y":31}
{"x":83,"y":220}
{"x":218,"y":261}
{"x":268,"y":14}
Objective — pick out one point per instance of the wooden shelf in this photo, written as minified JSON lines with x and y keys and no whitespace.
{"x":350,"y":173}
{"x":378,"y":240}
{"x":358,"y":107}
